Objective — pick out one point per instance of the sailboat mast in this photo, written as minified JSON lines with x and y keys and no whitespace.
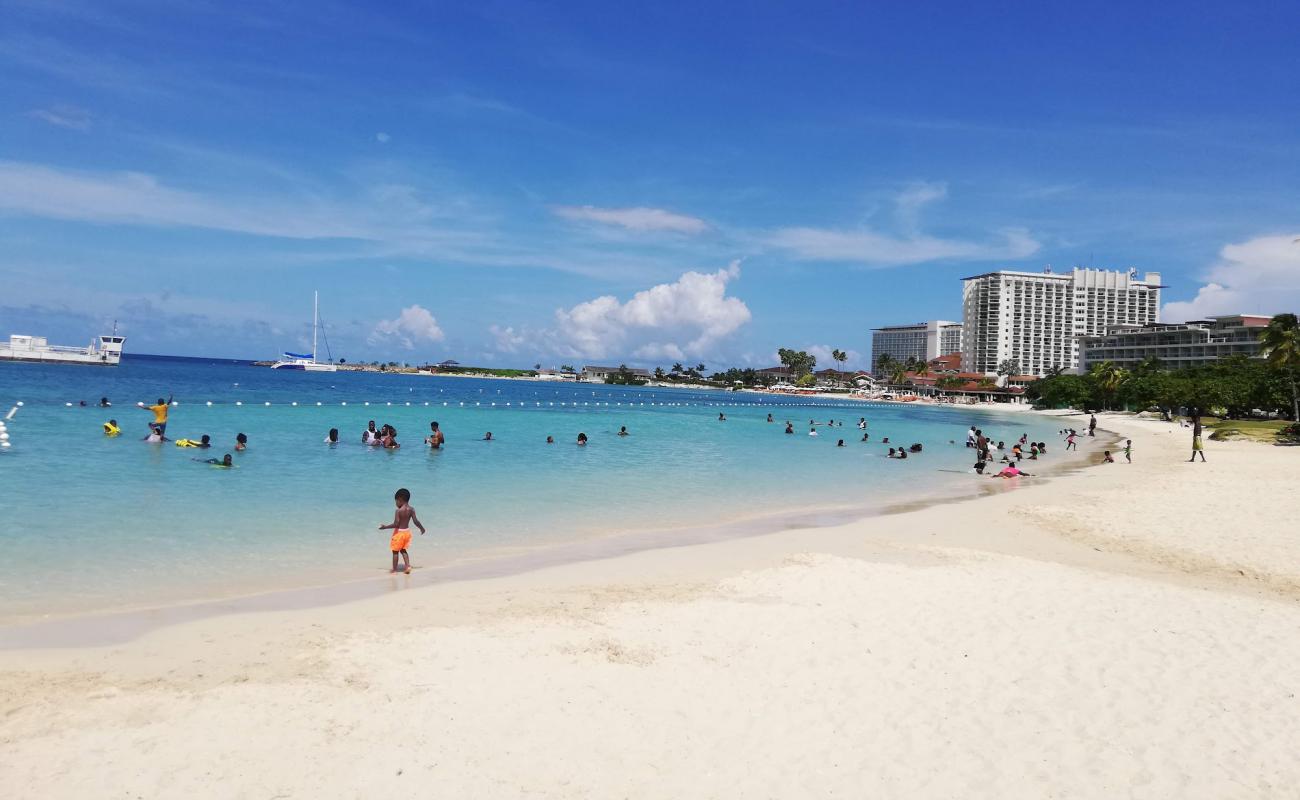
{"x":315,"y":321}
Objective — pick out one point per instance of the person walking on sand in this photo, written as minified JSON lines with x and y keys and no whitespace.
{"x":1092,"y":425}
{"x":403,"y":519}
{"x":1197,"y":447}
{"x":1128,"y":450}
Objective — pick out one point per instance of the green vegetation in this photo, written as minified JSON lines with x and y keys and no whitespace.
{"x":625,"y":377}
{"x":1258,"y":430}
{"x":1231,"y":387}
{"x":799,"y":362}
{"x":1281,"y":346}
{"x":493,"y":372}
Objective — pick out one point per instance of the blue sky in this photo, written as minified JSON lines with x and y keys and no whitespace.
{"x":509,"y":183}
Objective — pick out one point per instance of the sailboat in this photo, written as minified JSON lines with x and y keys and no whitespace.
{"x":307,"y":361}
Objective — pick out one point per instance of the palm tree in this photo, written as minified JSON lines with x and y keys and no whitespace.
{"x":699,"y":368}
{"x":885,"y":364}
{"x":922,"y":369}
{"x":1280,"y":343}
{"x":949,"y":382}
{"x":898,"y":373}
{"x":677,"y":368}
{"x":1110,"y":376}
{"x":987,"y":383}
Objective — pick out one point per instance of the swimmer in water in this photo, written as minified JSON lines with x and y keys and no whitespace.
{"x":622,"y":431}
{"x":225,"y":462}
{"x":241,"y":442}
{"x":582,"y":440}
{"x":332,"y":437}
{"x":840,"y":443}
{"x":435,"y":438}
{"x":722,"y":418}
{"x":488,"y":437}
{"x":789,"y":428}
{"x":769,"y":417}
{"x":550,"y":440}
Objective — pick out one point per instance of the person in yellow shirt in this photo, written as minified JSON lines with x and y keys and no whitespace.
{"x":159,"y":424}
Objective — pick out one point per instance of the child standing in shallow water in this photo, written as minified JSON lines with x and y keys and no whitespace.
{"x":401,"y":528}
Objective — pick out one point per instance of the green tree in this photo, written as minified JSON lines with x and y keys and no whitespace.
{"x":1007,"y":368}
{"x":922,"y":369}
{"x":567,"y":368}
{"x":1109,"y":377}
{"x":885,"y":364}
{"x":949,"y":382}
{"x":798,"y":362}
{"x":987,"y":383}
{"x":659,"y":373}
{"x":806,"y":379}
{"x":898,"y":373}
{"x":1280,"y":343}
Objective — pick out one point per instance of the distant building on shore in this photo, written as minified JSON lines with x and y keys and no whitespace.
{"x":923,"y":341}
{"x":1036,"y":318}
{"x":1177,"y":345}
{"x":601,"y":373}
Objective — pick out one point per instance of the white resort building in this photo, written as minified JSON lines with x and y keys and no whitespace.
{"x":1188,"y":344}
{"x":1036,"y":318}
{"x":924,"y":341}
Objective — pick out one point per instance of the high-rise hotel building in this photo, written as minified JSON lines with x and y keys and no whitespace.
{"x":1036,"y":318}
{"x":924,"y":341}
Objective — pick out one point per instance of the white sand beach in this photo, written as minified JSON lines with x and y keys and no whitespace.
{"x":1120,"y":631}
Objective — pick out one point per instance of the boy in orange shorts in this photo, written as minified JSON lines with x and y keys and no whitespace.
{"x":401,"y":528}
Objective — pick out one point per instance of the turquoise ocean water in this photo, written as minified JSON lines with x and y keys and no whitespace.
{"x":89,"y":523}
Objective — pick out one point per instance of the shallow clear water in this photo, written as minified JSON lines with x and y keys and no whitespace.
{"x":89,"y":523}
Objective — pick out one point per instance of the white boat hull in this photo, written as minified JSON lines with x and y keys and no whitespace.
{"x":305,"y":366}
{"x":36,"y":350}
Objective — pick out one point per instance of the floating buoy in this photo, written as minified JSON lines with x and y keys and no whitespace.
{"x":209,"y":402}
{"x":345,"y":402}
{"x":239,"y":402}
{"x":267,"y":404}
{"x":294,"y":403}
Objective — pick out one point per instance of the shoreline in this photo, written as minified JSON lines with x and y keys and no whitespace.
{"x":115,"y":626}
{"x":1120,"y":626}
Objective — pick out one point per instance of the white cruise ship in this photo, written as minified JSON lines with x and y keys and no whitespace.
{"x":105,"y":351}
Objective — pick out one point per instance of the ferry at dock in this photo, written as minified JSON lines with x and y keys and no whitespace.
{"x":104,"y":351}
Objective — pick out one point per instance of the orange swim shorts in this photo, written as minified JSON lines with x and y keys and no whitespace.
{"x":401,"y":538}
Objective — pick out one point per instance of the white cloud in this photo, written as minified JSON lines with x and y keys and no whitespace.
{"x":140,"y":199}
{"x":640,"y":220}
{"x":910,"y":201}
{"x":382,"y":138}
{"x":1260,"y":275}
{"x":508,"y":340}
{"x":824,"y":361}
{"x":671,"y":321}
{"x":414,"y":324}
{"x":870,"y":248}
{"x":77,"y":119}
